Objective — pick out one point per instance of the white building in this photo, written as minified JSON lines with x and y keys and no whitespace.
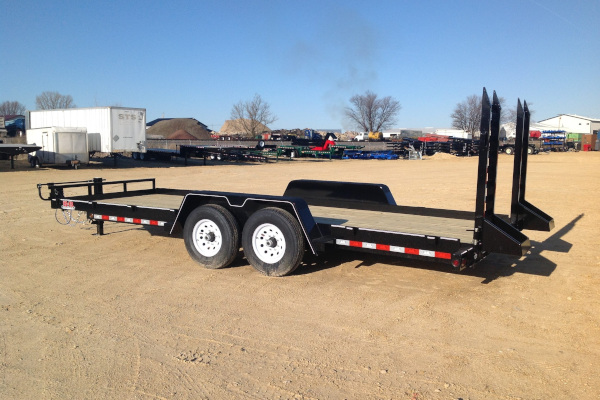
{"x":574,"y":123}
{"x":508,"y":131}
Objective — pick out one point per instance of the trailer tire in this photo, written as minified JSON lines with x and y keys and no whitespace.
{"x":509,"y":150}
{"x":142,"y":156}
{"x":273,"y":242}
{"x":211,"y":236}
{"x":135,"y":155}
{"x":529,"y":150}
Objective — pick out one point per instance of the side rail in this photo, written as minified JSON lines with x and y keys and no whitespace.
{"x":492,"y":233}
{"x":95,"y":187}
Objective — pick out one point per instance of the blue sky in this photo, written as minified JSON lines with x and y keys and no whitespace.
{"x":305,"y":58}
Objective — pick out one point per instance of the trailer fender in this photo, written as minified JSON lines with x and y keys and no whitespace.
{"x":242,"y":206}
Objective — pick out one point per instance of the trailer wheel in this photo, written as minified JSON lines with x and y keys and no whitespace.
{"x":273,"y":242}
{"x":36,"y":163}
{"x":135,"y":155}
{"x":142,"y":156}
{"x":529,"y":150}
{"x":211,"y":235}
{"x":293,"y":154}
{"x":509,"y":150}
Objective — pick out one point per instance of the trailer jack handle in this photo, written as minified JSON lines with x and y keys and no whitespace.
{"x":54,"y":192}
{"x":39,"y":186}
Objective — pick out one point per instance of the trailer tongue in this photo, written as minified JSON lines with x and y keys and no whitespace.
{"x":275,"y":231}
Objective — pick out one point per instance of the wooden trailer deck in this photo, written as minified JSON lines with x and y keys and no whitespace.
{"x":396,"y":222}
{"x":461,"y":229}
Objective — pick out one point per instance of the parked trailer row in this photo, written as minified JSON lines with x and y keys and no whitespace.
{"x":317,"y":216}
{"x":240,"y":153}
{"x":456,"y":146}
{"x":262,"y":152}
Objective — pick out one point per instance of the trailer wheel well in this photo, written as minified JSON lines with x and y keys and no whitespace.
{"x":243,"y":208}
{"x":241,"y":212}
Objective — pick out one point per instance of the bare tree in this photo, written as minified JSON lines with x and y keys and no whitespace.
{"x":511,"y":114}
{"x":467,"y":115}
{"x":53,"y":100}
{"x":252,"y":116}
{"x":12,"y":108}
{"x":370,"y":113}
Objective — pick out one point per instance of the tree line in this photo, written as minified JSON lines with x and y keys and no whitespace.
{"x":45,"y":101}
{"x":366,"y":112}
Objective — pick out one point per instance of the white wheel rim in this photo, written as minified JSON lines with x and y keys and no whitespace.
{"x":268,"y":243}
{"x":207,"y":238}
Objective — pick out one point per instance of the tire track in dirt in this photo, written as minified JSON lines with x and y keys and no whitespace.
{"x":3,"y":361}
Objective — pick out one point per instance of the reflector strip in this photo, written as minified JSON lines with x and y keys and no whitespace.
{"x":128,"y":220}
{"x":394,"y":249}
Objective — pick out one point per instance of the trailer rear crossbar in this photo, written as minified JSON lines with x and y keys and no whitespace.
{"x":315,"y":215}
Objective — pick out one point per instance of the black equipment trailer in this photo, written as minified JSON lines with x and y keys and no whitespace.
{"x":275,"y":231}
{"x":13,"y":150}
{"x":234,"y":153}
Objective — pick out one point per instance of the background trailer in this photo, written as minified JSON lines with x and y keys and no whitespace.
{"x":59,"y":146}
{"x":110,"y":129}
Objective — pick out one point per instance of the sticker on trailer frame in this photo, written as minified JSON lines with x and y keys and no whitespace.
{"x":67,"y":205}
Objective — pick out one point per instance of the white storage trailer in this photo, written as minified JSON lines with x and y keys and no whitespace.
{"x":456,"y":133}
{"x":60,"y":145}
{"x":119,"y":129}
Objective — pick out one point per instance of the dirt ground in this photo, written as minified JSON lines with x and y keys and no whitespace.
{"x":129,"y":315}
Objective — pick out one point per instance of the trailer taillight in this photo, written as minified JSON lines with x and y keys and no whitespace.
{"x":459,"y":262}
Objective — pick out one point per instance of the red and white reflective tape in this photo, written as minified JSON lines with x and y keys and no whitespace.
{"x":128,"y":220}
{"x":394,"y":249}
